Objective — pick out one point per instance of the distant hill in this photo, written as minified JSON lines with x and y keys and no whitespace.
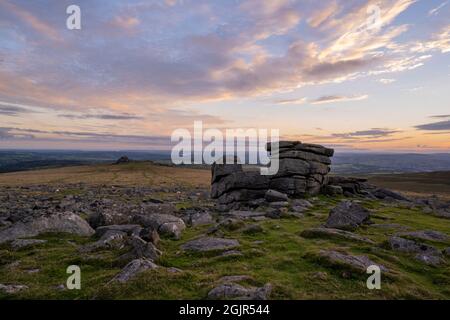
{"x":14,"y":160}
{"x":343,"y":163}
{"x":365,"y":163}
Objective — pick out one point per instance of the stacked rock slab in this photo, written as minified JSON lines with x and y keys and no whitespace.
{"x":303,"y":168}
{"x":233,"y":186}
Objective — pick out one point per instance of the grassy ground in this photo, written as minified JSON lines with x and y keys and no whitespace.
{"x":278,"y":255}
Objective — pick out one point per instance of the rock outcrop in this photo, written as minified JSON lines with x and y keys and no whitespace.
{"x":303,"y":170}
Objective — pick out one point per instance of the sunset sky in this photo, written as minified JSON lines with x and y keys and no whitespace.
{"x":137,"y":70}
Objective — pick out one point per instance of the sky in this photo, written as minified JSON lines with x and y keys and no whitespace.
{"x":356,"y":75}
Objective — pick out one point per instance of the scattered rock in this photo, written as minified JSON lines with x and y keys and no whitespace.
{"x":109,"y":240}
{"x":141,"y":249}
{"x":348,"y":215}
{"x":129,"y":229}
{"x":279,"y":204}
{"x":235,"y":291}
{"x":12,"y":288}
{"x":210,"y":244}
{"x":174,"y":270}
{"x":231,"y":253}
{"x":133,"y":268}
{"x":410,"y":246}
{"x":231,"y":279}
{"x":63,"y":222}
{"x":25,"y":243}
{"x":424,"y":253}
{"x":430,"y":235}
{"x":243,"y":215}
{"x":429,"y":259}
{"x":253,"y":229}
{"x":198,"y":219}
{"x":329,"y":233}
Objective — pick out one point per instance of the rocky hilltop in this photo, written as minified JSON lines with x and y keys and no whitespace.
{"x":139,"y":230}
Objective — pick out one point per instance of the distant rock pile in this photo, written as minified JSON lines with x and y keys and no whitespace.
{"x":303,"y":170}
{"x":123,"y":159}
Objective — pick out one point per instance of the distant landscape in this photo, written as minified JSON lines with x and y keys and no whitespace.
{"x":342,"y":163}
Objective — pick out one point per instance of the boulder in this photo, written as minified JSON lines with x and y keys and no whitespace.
{"x":430,"y":235}
{"x":210,"y":244}
{"x":429,"y":259}
{"x":240,"y":180}
{"x":198,"y":219}
{"x":292,"y":167}
{"x":347,"y":261}
{"x":141,"y":249}
{"x":128,"y":229}
{"x":57,"y":223}
{"x":274,"y":196}
{"x":165,"y":224}
{"x":133,"y":268}
{"x":242,"y":195}
{"x":328,"y":233}
{"x":411,"y":246}
{"x":382,"y":193}
{"x":347,"y":215}
{"x":112,"y":239}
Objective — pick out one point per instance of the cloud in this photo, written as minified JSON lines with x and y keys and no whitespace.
{"x":441,"y":125}
{"x":386,"y":81}
{"x":338,"y":98}
{"x":38,"y":25}
{"x":436,"y":10}
{"x":291,"y":101}
{"x":102,"y":116}
{"x":7,"y":133}
{"x":439,"y":116}
{"x":11,"y":110}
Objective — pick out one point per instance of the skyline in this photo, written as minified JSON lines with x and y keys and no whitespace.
{"x":137,"y":70}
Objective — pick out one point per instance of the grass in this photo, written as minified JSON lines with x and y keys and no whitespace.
{"x":278,"y":255}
